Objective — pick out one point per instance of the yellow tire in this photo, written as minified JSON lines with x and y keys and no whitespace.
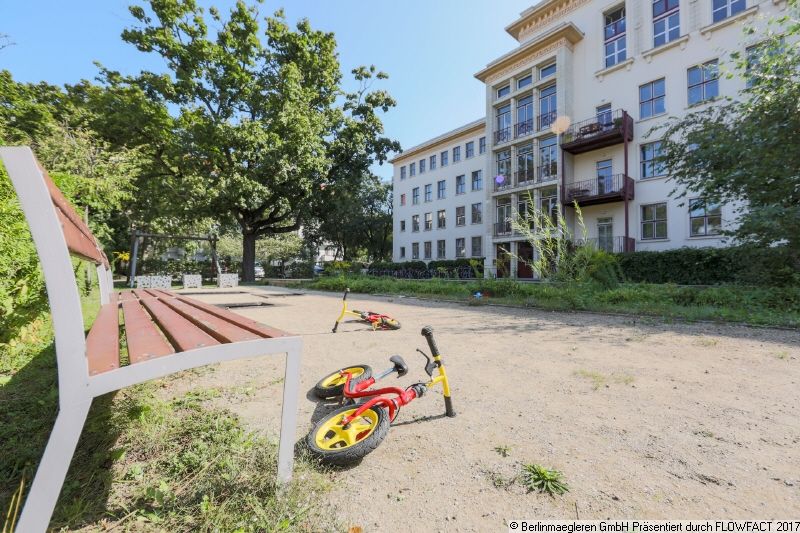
{"x":334,"y":444}
{"x":389,"y":323}
{"x":332,"y":385}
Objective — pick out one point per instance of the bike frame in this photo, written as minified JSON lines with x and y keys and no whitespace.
{"x":373,"y":318}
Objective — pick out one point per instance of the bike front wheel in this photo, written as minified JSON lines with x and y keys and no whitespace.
{"x":389,"y":323}
{"x":334,"y":444}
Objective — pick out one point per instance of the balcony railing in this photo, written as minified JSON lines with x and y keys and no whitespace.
{"x":612,"y":245}
{"x":524,"y":177}
{"x":503,"y":135}
{"x":523,"y":128}
{"x":602,"y":130}
{"x":506,"y":183}
{"x":599,"y":190}
{"x":502,"y":228}
{"x":547,"y":172}
{"x":545,"y":120}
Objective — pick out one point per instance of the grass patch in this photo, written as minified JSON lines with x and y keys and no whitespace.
{"x":766,"y":306}
{"x":537,"y":478}
{"x":600,"y":380}
{"x":503,"y":451}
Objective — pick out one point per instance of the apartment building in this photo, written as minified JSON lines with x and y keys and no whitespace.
{"x":570,"y":118}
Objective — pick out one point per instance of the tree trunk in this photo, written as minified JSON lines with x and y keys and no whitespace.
{"x":248,"y":257}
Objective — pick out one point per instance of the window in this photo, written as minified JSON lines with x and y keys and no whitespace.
{"x":432,"y":162}
{"x":421,"y":166}
{"x":402,"y":199}
{"x":548,"y":159}
{"x":461,"y":247}
{"x":441,"y":219}
{"x":477,"y":247}
{"x":503,"y":91}
{"x":722,"y":9}
{"x":651,"y":99}
{"x":482,"y":145}
{"x":546,"y":72}
{"x":503,"y":118}
{"x":461,"y":184}
{"x":615,"y":42}
{"x":440,"y":249}
{"x":402,"y":252}
{"x":461,"y":218}
{"x":666,"y":21}
{"x":524,"y":116}
{"x":477,"y":213}
{"x":548,"y":104}
{"x":503,"y":216}
{"x":443,"y":158}
{"x":415,"y":223}
{"x":402,"y":172}
{"x":428,"y":221}
{"x":429,"y":192}
{"x":605,"y":177}
{"x":753,"y":57}
{"x":548,"y":203}
{"x":470,"y":149}
{"x":412,"y":169}
{"x":415,"y":250}
{"x":524,"y":82}
{"x":650,"y":167}
{"x":477,"y":180}
{"x":427,"y":249}
{"x":402,"y":225}
{"x":456,"y":154}
{"x":441,"y":185}
{"x":704,"y":218}
{"x":526,"y":166}
{"x":503,"y":167}
{"x":415,"y":196}
{"x":703,"y":82}
{"x":654,"y":221}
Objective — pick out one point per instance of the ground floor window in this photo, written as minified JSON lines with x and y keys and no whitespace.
{"x":654,"y":221}
{"x":428,"y":249}
{"x":477,"y":246}
{"x":402,"y":252}
{"x":415,"y":250}
{"x":705,"y":218}
{"x":461,"y":247}
{"x":440,"y":250}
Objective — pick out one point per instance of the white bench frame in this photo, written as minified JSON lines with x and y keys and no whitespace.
{"x":76,"y":388}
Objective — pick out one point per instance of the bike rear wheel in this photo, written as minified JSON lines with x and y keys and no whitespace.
{"x":333,"y":444}
{"x":389,"y":323}
{"x":332,"y":385}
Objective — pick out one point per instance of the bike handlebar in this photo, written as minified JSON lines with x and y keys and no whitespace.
{"x":427,"y":332}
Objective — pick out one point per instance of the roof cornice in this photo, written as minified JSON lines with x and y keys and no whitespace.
{"x":472,"y":127}
{"x":541,"y":14}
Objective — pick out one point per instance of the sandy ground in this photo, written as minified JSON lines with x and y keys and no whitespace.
{"x":645,"y":419}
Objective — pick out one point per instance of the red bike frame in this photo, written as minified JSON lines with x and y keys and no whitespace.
{"x":404,"y":397}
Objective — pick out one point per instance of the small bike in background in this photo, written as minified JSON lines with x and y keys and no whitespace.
{"x":376,"y":320}
{"x":350,"y":432}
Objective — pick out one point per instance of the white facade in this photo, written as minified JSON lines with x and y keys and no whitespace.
{"x":587,"y":75}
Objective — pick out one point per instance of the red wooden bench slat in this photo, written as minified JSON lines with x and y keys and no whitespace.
{"x":77,"y":234}
{"x":124,"y":296}
{"x":102,"y":343}
{"x":220,"y":329}
{"x":142,"y":294}
{"x":144,"y":339}
{"x":239,"y":320}
{"x":182,"y":334}
{"x":165,"y":293}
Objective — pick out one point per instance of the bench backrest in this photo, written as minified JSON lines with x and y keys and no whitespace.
{"x":58,"y":232}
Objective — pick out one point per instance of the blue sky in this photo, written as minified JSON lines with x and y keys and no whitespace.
{"x":430,"y":49}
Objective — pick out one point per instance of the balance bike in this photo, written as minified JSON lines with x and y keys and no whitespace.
{"x":353,"y":430}
{"x":376,"y":320}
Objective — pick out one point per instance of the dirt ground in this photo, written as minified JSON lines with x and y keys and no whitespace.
{"x":645,"y":419}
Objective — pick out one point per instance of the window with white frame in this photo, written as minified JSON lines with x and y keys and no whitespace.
{"x":666,"y":21}
{"x":402,"y":225}
{"x":443,"y":158}
{"x":461,"y":218}
{"x":705,"y":218}
{"x":402,"y":172}
{"x":548,"y":106}
{"x":477,"y":180}
{"x":654,"y":221}
{"x":441,"y":249}
{"x":470,"y":149}
{"x":548,"y":202}
{"x":421,"y":166}
{"x":615,"y":38}
{"x":504,"y":165}
{"x":428,"y":221}
{"x":415,"y":196}
{"x":722,"y":9}
{"x":547,"y":71}
{"x":548,"y":159}
{"x":456,"y":154}
{"x":412,"y":169}
{"x":524,"y":82}
{"x":441,"y":219}
{"x":428,"y":249}
{"x":461,"y":184}
{"x":414,"y":250}
{"x":477,"y":246}
{"x":477,"y":213}
{"x":461,"y":247}
{"x":432,"y":162}
{"x":703,"y":82}
{"x":441,"y":188}
{"x":503,"y":91}
{"x":429,"y":192}
{"x":482,"y":145}
{"x":651,"y":99}
{"x":651,"y":167}
{"x":415,"y":223}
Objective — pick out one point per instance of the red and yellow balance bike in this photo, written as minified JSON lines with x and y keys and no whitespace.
{"x":353,"y":430}
{"x":376,"y":320}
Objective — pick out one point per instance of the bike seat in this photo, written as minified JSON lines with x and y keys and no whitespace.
{"x":400,"y":366}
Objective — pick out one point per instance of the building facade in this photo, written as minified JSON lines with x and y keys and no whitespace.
{"x":572,"y":116}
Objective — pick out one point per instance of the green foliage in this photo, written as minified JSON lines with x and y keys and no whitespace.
{"x":748,"y":150}
{"x":537,"y":478}
{"x":745,"y":265}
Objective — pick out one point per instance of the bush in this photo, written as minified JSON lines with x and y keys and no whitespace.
{"x":743,"y":265}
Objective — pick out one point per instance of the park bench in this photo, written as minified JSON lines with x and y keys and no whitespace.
{"x":165,"y":333}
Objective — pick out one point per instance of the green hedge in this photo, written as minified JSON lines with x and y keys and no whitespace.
{"x":743,"y":265}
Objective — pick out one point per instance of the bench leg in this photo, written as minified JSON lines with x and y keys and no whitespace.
{"x":291,"y":386}
{"x":46,"y":487}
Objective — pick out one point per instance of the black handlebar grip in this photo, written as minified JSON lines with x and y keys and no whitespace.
{"x":345,"y":294}
{"x":427,"y":332}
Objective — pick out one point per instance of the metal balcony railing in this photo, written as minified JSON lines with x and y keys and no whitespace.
{"x":502,"y":228}
{"x":545,"y":120}
{"x":603,"y":129}
{"x":523,"y":128}
{"x":504,"y":183}
{"x":503,"y":135}
{"x":609,"y":188}
{"x":524,"y":177}
{"x":547,"y":172}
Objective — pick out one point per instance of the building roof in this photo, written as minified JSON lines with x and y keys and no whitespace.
{"x":474,"y":126}
{"x":537,"y":14}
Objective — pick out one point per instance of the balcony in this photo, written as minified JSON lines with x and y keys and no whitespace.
{"x":547,"y":173}
{"x":523,"y":128}
{"x":503,"y":135}
{"x":503,"y":185}
{"x":524,"y":177}
{"x":612,"y":245}
{"x":598,"y":190}
{"x":544,"y":121}
{"x":600,"y":131}
{"x":502,"y":228}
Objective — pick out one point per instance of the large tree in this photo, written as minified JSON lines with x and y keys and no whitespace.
{"x":747,"y":150}
{"x":258,"y":124}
